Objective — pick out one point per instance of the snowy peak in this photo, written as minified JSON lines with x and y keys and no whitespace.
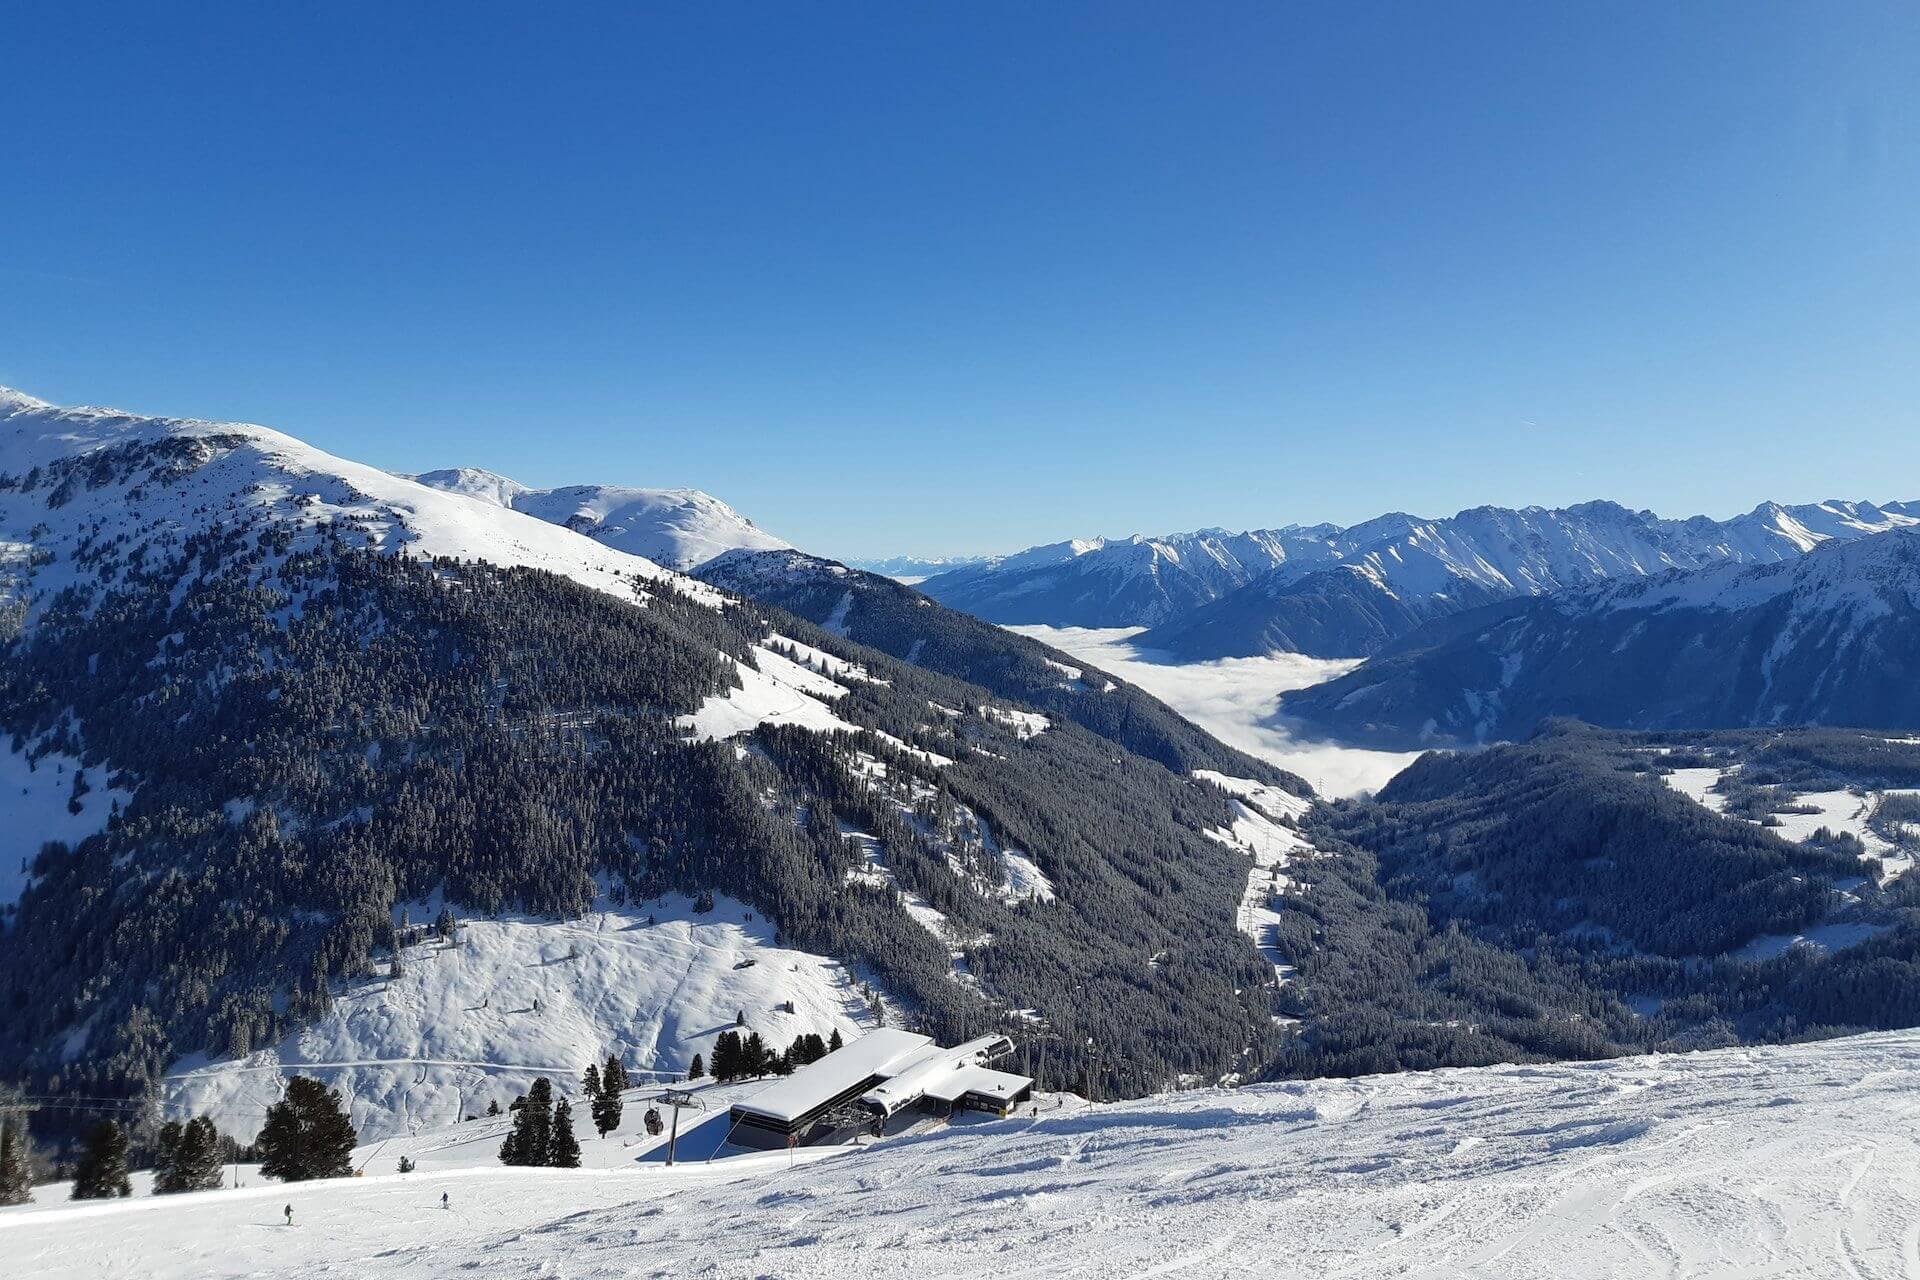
{"x":487,"y":486}
{"x":69,"y":474}
{"x":679,"y":528}
{"x":1212,"y":594}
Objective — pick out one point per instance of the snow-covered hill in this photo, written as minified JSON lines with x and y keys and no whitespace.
{"x":136,"y":479}
{"x":468,"y":1024}
{"x":1795,"y":1161}
{"x":679,"y":528}
{"x":1831,"y":637}
{"x":1347,"y":592}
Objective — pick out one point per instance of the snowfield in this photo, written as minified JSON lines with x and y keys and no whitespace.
{"x":519,"y":998}
{"x":1789,"y":1161}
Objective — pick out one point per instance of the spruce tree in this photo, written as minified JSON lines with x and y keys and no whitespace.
{"x":102,"y":1173}
{"x":166,"y":1159}
{"x":590,"y":1082}
{"x":836,"y":1044}
{"x":563,"y":1152}
{"x":754,"y":1058}
{"x":698,"y":1069}
{"x":198,"y":1164}
{"x":16,"y":1159}
{"x":531,"y":1141}
{"x":306,"y":1134}
{"x":608,"y":1106}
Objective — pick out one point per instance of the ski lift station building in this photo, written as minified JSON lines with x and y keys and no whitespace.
{"x":883,"y":1074}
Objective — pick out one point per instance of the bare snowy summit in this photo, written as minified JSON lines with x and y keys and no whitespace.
{"x":679,"y":528}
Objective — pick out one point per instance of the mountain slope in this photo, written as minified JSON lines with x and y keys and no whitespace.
{"x":1825,"y":638}
{"x":678,"y":528}
{"x":325,"y":691}
{"x":897,"y":620}
{"x":1213,"y":595}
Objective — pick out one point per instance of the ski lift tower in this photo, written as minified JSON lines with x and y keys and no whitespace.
{"x":677,"y":1098}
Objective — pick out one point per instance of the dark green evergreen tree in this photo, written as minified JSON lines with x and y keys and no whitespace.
{"x":102,"y":1172}
{"x":698,"y":1069}
{"x":590,"y":1082}
{"x":835,"y":1043}
{"x":563,"y":1152}
{"x":16,"y":1158}
{"x":531,"y":1141}
{"x":306,"y":1134}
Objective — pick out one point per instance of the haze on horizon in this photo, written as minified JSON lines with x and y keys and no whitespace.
{"x":961,"y":281}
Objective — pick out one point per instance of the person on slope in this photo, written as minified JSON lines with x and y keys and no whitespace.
{"x":443,"y":1201}
{"x":289,"y":1212}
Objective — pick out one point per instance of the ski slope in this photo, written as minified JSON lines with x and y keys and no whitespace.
{"x":1789,"y":1161}
{"x":518,"y":998}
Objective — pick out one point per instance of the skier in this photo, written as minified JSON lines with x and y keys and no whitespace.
{"x":443,"y":1201}
{"x":289,"y":1215}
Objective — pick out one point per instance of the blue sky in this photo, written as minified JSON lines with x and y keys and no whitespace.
{"x":916,"y":278}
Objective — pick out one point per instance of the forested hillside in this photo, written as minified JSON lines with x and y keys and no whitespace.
{"x":301,"y":729}
{"x":898,"y":620}
{"x":1558,"y":899}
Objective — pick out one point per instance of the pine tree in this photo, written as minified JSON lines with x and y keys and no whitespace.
{"x":493,"y":1107}
{"x":754,"y":1056}
{"x":16,"y":1159}
{"x":607,"y":1105}
{"x":590,"y":1082}
{"x":102,"y":1173}
{"x":698,"y":1069}
{"x":726,"y":1057}
{"x":199,"y":1159}
{"x":531,"y":1141}
{"x":166,"y":1159}
{"x":306,"y":1134}
{"x":563,"y":1152}
{"x":836,"y":1044}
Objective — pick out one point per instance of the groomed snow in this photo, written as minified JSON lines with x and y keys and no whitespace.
{"x":1790,"y":1161}
{"x":1256,"y":832}
{"x":459,"y":1028}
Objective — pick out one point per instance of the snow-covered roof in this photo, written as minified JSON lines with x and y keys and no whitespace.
{"x":945,"y":1074}
{"x":877,"y":1053}
{"x":982,"y":1080}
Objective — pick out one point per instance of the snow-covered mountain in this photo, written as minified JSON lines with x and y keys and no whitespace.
{"x":258,"y":697}
{"x":141,"y":480}
{"x":678,"y":528}
{"x":914,"y":568}
{"x":1100,"y":582}
{"x":1346,"y":592}
{"x":1830,"y":637}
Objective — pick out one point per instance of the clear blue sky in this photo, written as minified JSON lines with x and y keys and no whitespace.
{"x":916,"y":278}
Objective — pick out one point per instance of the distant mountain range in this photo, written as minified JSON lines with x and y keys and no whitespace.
{"x":915,"y":568}
{"x":1828,"y":638}
{"x":1329,"y":591}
